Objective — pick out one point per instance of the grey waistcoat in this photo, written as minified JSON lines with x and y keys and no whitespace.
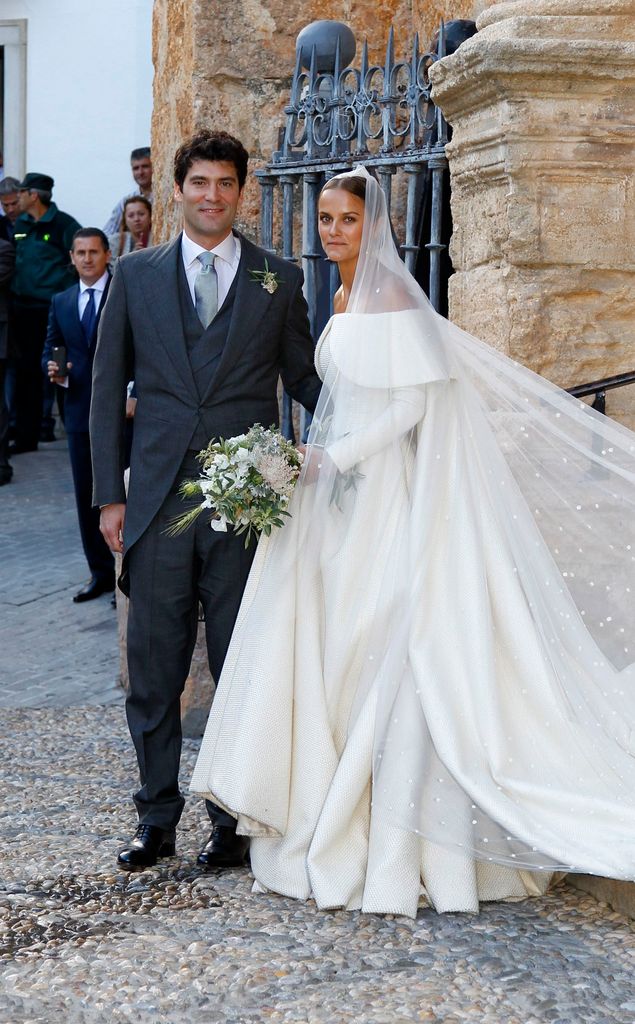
{"x":204,"y":346}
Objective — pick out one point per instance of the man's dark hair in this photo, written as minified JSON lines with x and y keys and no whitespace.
{"x":206,"y":145}
{"x":45,"y":195}
{"x":91,"y":233}
{"x":140,"y":154}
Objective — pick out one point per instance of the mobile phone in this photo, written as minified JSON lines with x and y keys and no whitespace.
{"x":58,"y":355}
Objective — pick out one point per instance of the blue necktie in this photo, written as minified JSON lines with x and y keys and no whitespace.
{"x":206,"y":289}
{"x":89,"y":316}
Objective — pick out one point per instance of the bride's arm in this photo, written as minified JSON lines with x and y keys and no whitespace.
{"x":405,"y":410}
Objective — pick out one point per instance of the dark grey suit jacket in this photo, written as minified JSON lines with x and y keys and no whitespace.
{"x":141,"y":336}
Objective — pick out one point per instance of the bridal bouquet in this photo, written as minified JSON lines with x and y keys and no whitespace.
{"x":246,"y":482}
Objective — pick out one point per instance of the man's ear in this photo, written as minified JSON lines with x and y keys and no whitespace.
{"x":178,"y":195}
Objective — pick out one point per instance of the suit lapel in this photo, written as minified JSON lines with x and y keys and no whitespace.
{"x":93,"y":339}
{"x":71,"y":313}
{"x":160,"y":284}
{"x":250,"y":305}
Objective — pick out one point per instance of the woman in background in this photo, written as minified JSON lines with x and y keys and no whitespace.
{"x":135,"y":231}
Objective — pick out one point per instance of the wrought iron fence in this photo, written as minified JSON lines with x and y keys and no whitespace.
{"x":381,"y":115}
{"x":598,"y":388}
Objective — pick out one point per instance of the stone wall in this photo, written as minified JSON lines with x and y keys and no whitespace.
{"x":230,"y":66}
{"x":543,"y":186}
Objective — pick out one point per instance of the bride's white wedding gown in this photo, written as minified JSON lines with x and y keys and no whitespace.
{"x":412,"y":707}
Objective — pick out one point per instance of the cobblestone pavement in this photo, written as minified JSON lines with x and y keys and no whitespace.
{"x":82,"y":943}
{"x":52,"y":652}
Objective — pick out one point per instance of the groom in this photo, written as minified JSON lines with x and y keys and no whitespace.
{"x":205,"y":344}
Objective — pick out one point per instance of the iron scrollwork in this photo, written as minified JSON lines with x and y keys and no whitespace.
{"x":381,"y":115}
{"x":332,"y":114}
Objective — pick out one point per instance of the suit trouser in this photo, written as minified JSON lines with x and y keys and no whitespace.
{"x":30,"y":323}
{"x":98,"y":554}
{"x":168,"y":577}
{"x":4,"y":420}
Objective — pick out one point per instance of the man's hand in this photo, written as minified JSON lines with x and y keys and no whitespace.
{"x":111,"y":525}
{"x":54,"y":372}
{"x":131,"y":405}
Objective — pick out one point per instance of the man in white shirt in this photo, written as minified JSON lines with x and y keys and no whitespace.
{"x":73,"y":321}
{"x":141,"y":167}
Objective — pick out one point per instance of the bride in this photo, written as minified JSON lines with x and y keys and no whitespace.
{"x":430,"y":691}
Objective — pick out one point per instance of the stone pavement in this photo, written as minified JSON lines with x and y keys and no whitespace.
{"x":82,"y":943}
{"x":52,"y":652}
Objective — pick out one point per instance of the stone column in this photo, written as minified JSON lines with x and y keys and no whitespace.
{"x":543,"y":186}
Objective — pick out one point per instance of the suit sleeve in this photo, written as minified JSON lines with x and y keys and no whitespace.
{"x":297,"y":368}
{"x":7,"y":262}
{"x":112,"y":369}
{"x":53,"y":337}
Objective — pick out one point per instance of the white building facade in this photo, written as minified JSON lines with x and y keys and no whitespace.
{"x":76,"y":96}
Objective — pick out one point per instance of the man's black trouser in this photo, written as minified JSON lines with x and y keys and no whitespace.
{"x":4,"y":419}
{"x":29,"y":325}
{"x":168,"y":577}
{"x":98,"y":555}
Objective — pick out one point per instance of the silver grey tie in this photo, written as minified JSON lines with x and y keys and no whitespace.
{"x":206,"y":289}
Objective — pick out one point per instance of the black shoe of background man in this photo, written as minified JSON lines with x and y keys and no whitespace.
{"x":47,"y":434}
{"x":223,"y":849}
{"x":6,"y":475}
{"x":94,"y":588}
{"x":148,"y":844}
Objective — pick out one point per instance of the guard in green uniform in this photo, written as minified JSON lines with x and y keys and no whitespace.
{"x":43,"y":238}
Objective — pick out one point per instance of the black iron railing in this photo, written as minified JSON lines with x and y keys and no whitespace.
{"x":381,"y":115}
{"x":600,"y":387}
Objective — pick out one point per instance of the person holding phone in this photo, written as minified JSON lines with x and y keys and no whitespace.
{"x":68,"y":361}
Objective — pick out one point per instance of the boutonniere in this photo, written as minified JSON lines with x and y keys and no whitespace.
{"x":267,"y":279}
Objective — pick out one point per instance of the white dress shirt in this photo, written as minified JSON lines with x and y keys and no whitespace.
{"x":98,"y":287}
{"x":226,"y":263}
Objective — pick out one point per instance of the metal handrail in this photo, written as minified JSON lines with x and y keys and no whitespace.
{"x":600,"y":387}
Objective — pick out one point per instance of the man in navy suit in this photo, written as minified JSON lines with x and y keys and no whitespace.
{"x":73,"y":322}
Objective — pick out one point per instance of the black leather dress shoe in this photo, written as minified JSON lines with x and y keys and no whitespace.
{"x":223,"y":849}
{"x":6,"y":475}
{"x":94,"y":588}
{"x":149,"y":843}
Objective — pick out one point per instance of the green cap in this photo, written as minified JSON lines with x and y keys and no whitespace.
{"x":43,"y":182}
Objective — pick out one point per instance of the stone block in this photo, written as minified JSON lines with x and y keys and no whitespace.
{"x":620,"y":896}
